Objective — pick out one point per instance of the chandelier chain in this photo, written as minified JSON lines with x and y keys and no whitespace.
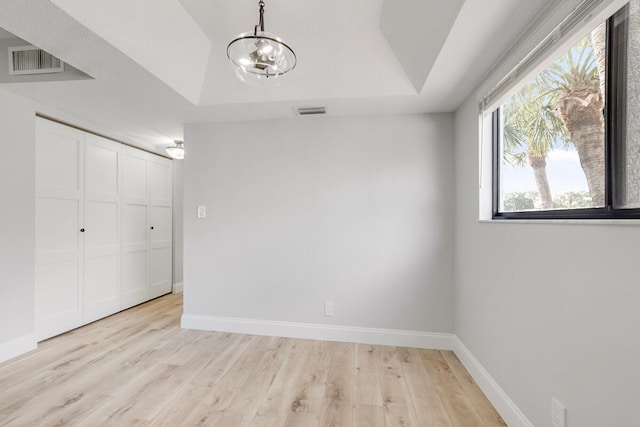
{"x":261,"y":23}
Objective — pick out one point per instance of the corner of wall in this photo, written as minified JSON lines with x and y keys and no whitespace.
{"x":507,"y":409}
{"x":17,"y":347}
{"x":177,"y":288}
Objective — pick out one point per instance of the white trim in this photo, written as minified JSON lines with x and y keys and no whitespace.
{"x":17,"y":347}
{"x":437,"y":341}
{"x":177,"y":288}
{"x":511,"y":414}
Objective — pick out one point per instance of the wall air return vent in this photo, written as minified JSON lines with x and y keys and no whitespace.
{"x":310,"y":111}
{"x":32,"y":60}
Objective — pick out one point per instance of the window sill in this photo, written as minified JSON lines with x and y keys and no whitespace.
{"x":564,"y":221}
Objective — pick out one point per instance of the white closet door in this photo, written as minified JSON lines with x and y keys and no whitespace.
{"x":59,"y":237}
{"x":135,"y":227}
{"x":160,"y":257}
{"x":102,"y":224}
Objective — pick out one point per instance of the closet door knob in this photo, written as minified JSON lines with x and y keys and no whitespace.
{"x":152,"y":227}
{"x":82,"y":230}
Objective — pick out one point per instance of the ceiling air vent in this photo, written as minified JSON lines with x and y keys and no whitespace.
{"x":310,"y":111}
{"x":32,"y":60}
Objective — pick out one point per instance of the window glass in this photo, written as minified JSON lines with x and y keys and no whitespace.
{"x":552,"y":134}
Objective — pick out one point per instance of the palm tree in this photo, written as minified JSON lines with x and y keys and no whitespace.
{"x":599,"y":43}
{"x":576,"y":80}
{"x":561,"y":106}
{"x":531,"y":129}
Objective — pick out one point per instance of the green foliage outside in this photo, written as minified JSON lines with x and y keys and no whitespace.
{"x":530,"y":200}
{"x":573,"y":200}
{"x":520,"y":201}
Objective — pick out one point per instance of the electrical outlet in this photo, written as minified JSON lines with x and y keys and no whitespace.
{"x":558,"y":413}
{"x":328,"y":308}
{"x":202,"y":211}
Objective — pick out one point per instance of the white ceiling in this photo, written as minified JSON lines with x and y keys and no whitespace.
{"x":159,"y":64}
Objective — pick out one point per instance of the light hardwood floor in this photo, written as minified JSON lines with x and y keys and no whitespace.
{"x":138,"y":368}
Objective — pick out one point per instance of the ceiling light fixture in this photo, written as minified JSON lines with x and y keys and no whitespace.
{"x":176,"y":151}
{"x":261,"y":58}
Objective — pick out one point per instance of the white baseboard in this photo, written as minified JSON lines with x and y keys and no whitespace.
{"x":17,"y":346}
{"x":400,"y":338}
{"x":511,"y":414}
{"x":507,"y":409}
{"x":177,"y":288}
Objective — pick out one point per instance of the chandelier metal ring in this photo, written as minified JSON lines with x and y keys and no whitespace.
{"x":260,"y":57}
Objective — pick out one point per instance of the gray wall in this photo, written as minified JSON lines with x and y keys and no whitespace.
{"x":17,"y":217}
{"x":548,"y":309}
{"x":352,"y":210}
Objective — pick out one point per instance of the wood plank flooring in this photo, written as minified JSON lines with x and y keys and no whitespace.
{"x":138,"y":368}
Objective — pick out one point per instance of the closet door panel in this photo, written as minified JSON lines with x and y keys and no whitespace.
{"x":160,"y":260}
{"x":101,"y":292}
{"x":160,"y":275}
{"x":102,"y":222}
{"x":58,"y":223}
{"x":161,"y":256}
{"x":134,"y":278}
{"x":135,"y":231}
{"x":160,"y":220}
{"x":135,"y":253}
{"x":136,"y":170}
{"x":160,"y":181}
{"x":59,"y":220}
{"x":135,"y":224}
{"x":59,"y":154}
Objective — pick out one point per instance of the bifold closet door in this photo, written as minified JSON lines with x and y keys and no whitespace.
{"x":102,"y":223}
{"x":59,"y":229}
{"x":135,"y":227}
{"x":103,"y":227}
{"x":160,"y":257}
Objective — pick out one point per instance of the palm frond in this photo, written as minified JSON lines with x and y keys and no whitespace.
{"x":531,"y":124}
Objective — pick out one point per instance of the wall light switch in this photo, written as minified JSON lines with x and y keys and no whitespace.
{"x":202,"y":211}
{"x":328,"y":308}
{"x":558,"y":413}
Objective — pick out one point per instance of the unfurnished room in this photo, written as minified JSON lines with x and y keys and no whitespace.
{"x":342,"y":213}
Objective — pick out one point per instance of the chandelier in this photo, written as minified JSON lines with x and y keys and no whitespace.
{"x":261,"y":58}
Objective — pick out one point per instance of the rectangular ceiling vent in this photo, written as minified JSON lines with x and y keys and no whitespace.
{"x":32,"y":60}
{"x":310,"y":111}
